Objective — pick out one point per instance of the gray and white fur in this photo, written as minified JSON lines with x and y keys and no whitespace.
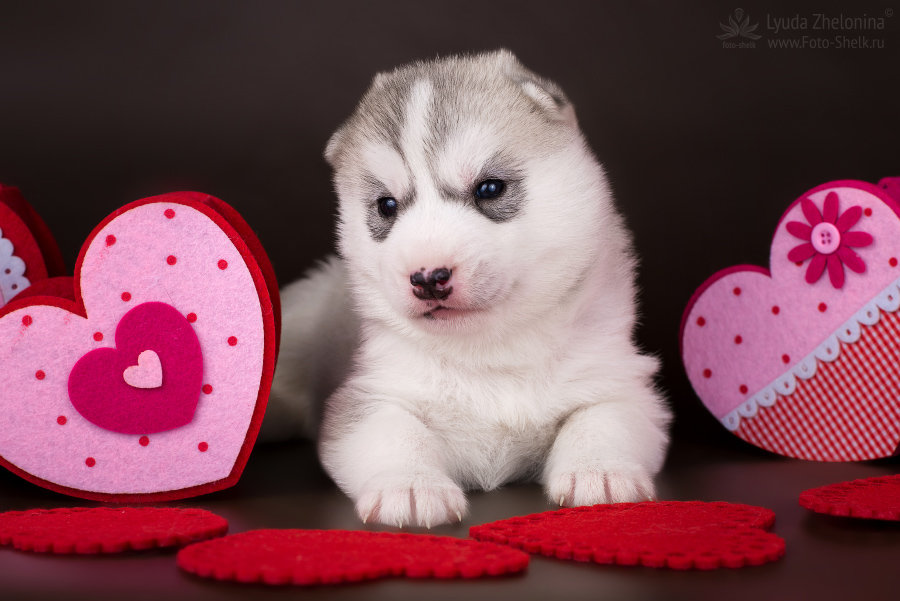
{"x":490,"y":333}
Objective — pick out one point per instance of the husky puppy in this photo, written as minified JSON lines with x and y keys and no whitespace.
{"x":486,"y":291}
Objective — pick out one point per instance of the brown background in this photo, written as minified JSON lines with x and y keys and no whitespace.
{"x":104,"y":103}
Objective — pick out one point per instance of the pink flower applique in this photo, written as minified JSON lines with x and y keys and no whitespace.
{"x":828,"y":240}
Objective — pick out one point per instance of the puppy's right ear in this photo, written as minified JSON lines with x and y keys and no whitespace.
{"x":333,"y":146}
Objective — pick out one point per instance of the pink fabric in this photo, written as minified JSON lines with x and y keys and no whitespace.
{"x":98,"y":384}
{"x":779,"y":317}
{"x":125,"y":265}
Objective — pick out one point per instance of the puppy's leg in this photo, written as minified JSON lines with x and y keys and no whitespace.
{"x":608,"y":453}
{"x":390,"y":464}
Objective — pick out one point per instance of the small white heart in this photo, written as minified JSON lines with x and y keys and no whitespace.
{"x":147,"y":373}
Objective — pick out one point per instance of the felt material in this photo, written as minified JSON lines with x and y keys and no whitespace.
{"x":313,"y":557}
{"x":678,"y":535}
{"x":124,"y":264}
{"x":106,"y":529}
{"x":873,"y":498}
{"x":757,"y":344}
{"x":98,"y":383}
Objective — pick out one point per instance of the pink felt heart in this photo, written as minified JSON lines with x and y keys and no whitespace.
{"x":183,"y":276}
{"x":99,"y":385}
{"x":801,"y":360}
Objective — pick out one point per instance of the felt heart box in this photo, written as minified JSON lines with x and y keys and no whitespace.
{"x":801,"y":359}
{"x":146,"y":377}
{"x":28,"y":252}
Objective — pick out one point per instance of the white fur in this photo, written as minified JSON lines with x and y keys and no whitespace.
{"x":532,"y":373}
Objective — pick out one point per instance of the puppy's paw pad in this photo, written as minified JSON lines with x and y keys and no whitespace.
{"x":411,"y":500}
{"x":593,"y":485}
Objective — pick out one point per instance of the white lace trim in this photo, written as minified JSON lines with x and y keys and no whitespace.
{"x":829,"y":350}
{"x":14,"y":281}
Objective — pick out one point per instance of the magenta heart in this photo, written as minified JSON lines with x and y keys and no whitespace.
{"x":99,"y":388}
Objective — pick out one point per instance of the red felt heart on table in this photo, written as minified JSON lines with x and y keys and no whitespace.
{"x":99,"y":385}
{"x":672,"y":534}
{"x":873,"y":498}
{"x":311,"y":557}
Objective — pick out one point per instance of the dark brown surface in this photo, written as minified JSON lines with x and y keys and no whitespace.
{"x":827,"y":558}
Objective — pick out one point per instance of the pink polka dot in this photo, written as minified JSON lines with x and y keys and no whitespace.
{"x":738,"y":339}
{"x":61,"y":420}
{"x":232,"y":340}
{"x":171,"y":260}
{"x":223,"y":264}
{"x":170,"y":214}
{"x":701,"y":321}
{"x":743,"y":389}
{"x":27,"y":321}
{"x":143,"y":441}
{"x":191,"y":317}
{"x":737,"y":291}
{"x":822,"y":307}
{"x":39,"y":374}
{"x":207,"y":389}
{"x":203,"y":447}
{"x":90,"y":462}
{"x":868,"y":212}
{"x":707,"y":373}
{"x":126,"y":296}
{"x":893,"y":261}
{"x":98,"y":336}
{"x":776,"y":310}
{"x":110,"y":240}
{"x":785,"y":359}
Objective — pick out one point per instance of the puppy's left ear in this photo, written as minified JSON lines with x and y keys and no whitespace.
{"x":548,"y":96}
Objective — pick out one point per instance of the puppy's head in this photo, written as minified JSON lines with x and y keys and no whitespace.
{"x":469,"y":201}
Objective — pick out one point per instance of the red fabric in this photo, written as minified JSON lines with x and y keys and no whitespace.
{"x":672,"y":534}
{"x":311,"y":557}
{"x":30,"y":236}
{"x":95,"y":530}
{"x":874,"y":498}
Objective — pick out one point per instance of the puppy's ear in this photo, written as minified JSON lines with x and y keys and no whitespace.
{"x":548,"y":96}
{"x":334,"y":143}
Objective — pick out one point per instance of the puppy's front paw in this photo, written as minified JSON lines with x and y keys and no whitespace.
{"x":418,"y":499}
{"x":600,"y":484}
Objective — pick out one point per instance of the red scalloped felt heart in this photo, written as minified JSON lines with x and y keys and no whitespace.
{"x":681,"y":535}
{"x":312,"y":557}
{"x":82,"y":530}
{"x":873,"y":498}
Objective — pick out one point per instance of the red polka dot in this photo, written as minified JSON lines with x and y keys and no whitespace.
{"x":207,"y":389}
{"x":707,"y":373}
{"x":202,"y":447}
{"x":90,"y":462}
{"x":893,"y":261}
{"x":61,"y":420}
{"x":785,"y":359}
{"x":737,"y":291}
{"x":799,"y":263}
{"x":776,"y":310}
{"x":223,"y":264}
{"x":822,"y":307}
{"x":232,"y":340}
{"x":743,"y":389}
{"x":701,"y":321}
{"x":738,"y":339}
{"x":98,"y":336}
{"x":143,"y":441}
{"x":169,"y":213}
{"x":191,"y":317}
{"x":39,"y":374}
{"x":868,"y":212}
{"x":171,"y":260}
{"x":110,"y":240}
{"x":126,"y":296}
{"x":27,"y":321}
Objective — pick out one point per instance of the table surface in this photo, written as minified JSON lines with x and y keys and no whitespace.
{"x":283,"y":487}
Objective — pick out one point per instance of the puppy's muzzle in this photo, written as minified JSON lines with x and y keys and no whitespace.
{"x":431,"y":286}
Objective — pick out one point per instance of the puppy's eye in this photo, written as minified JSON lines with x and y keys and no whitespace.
{"x":489,"y":188}
{"x":387,"y":206}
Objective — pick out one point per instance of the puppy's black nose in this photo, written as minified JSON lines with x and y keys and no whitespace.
{"x":434,"y":285}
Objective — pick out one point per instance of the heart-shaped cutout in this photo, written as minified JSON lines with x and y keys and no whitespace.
{"x":147,"y":373}
{"x":800,"y":360}
{"x":314,"y":557}
{"x":182,"y":275}
{"x":875,"y":498}
{"x":681,"y":535}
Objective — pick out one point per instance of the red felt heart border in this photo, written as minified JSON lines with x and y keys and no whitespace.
{"x":49,"y":261}
{"x":65,"y":293}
